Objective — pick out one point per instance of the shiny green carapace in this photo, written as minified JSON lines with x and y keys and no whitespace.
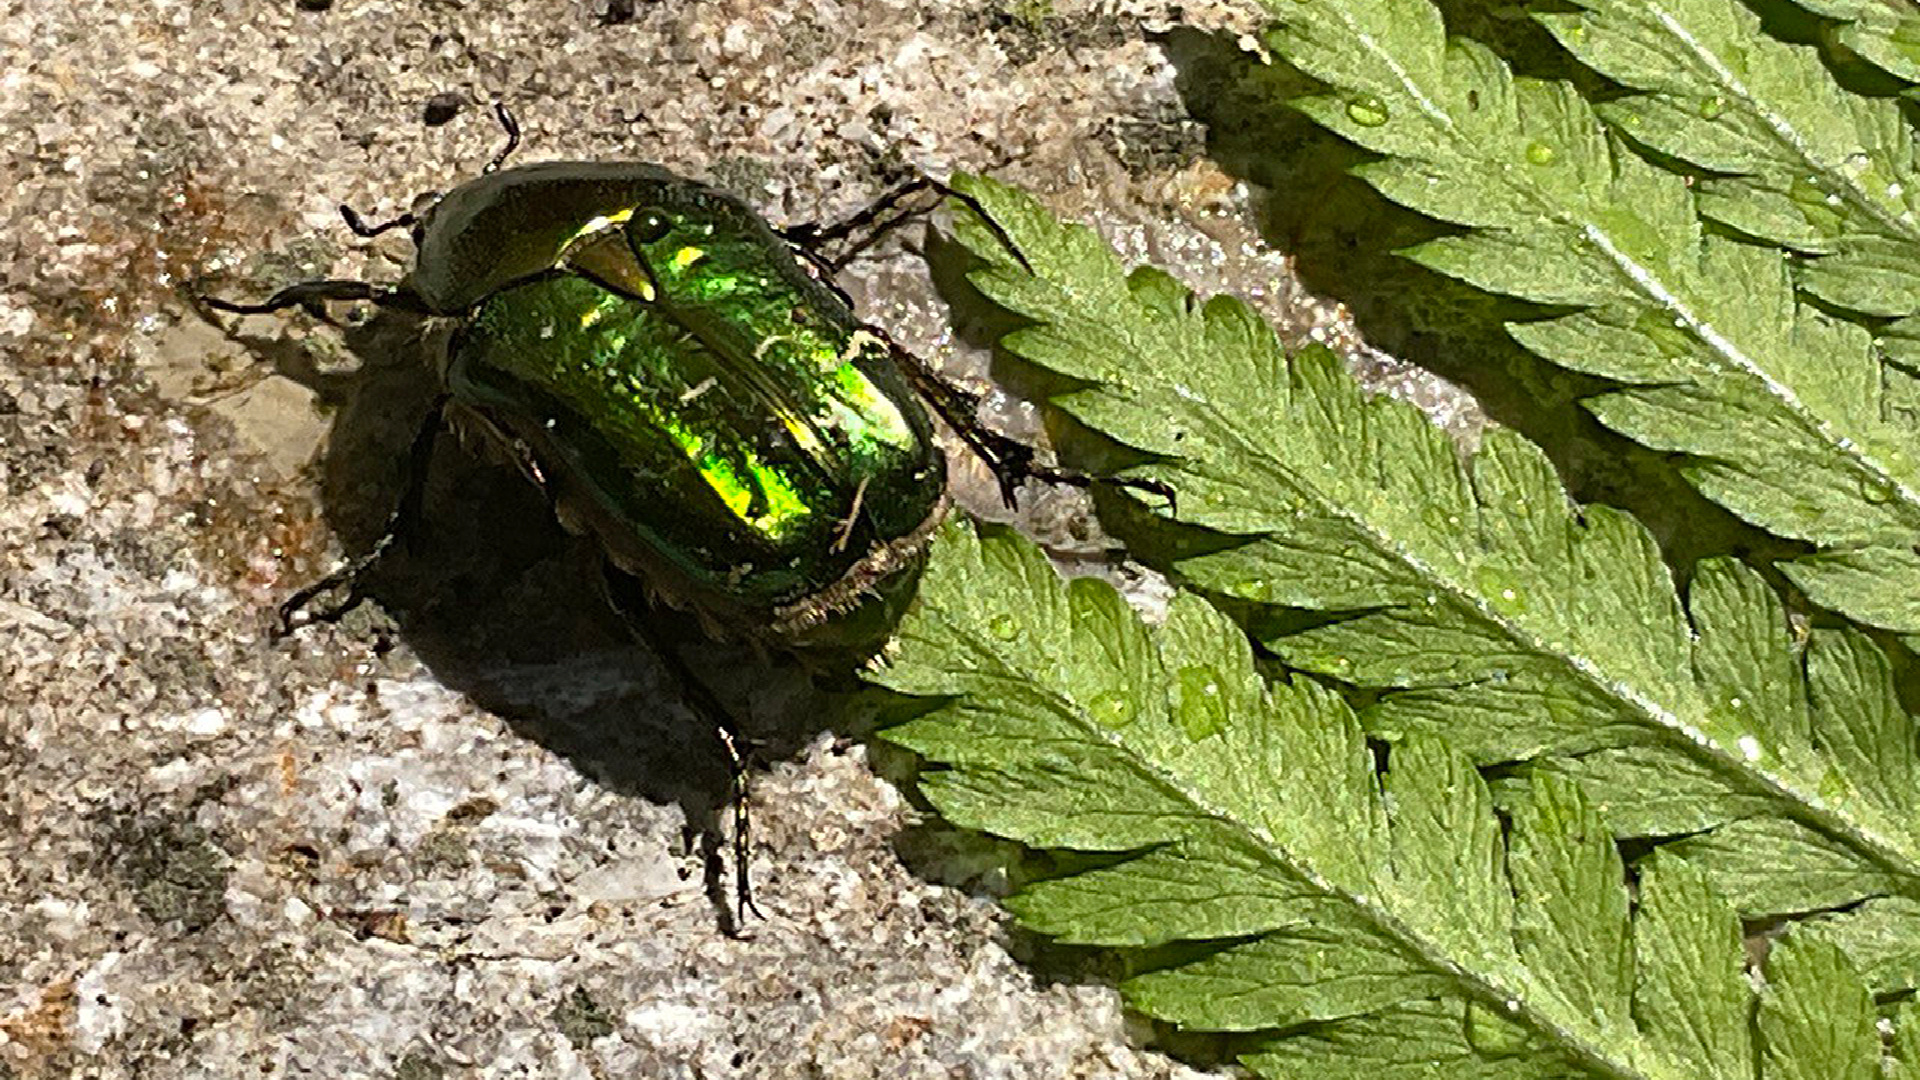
{"x":691,"y":393}
{"x":685,"y":383}
{"x":689,"y":388}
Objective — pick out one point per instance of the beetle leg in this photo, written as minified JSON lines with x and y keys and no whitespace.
{"x":737,"y":764}
{"x":311,"y":296}
{"x":511,"y":126}
{"x":808,"y":238}
{"x":812,"y":236}
{"x":734,"y":746}
{"x":409,"y":219}
{"x":1011,"y":461}
{"x":362,"y":229}
{"x":295,"y":611}
{"x":994,"y":227}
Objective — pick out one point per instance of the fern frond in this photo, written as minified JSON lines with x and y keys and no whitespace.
{"x":1885,"y":33}
{"x":1488,"y":609}
{"x":1809,"y":166}
{"x":1382,"y":925}
{"x":1779,"y":409}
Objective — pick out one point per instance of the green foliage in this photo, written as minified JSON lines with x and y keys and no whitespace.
{"x":1784,"y":414}
{"x":1488,"y":609}
{"x":1801,"y":163}
{"x":1387,"y":924}
{"x":1369,"y":925}
{"x":1402,"y":860}
{"x":1886,"y":33}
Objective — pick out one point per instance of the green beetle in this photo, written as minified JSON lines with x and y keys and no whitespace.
{"x":688,"y":385}
{"x":695,"y":398}
{"x":692,"y":390}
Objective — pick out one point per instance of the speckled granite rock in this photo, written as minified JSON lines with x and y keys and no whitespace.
{"x":447,"y":837}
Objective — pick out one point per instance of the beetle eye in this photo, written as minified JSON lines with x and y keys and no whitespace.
{"x":648,"y":226}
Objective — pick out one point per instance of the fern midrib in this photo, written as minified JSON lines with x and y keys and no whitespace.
{"x":1798,"y":804}
{"x":1514,"y":1002}
{"x":1848,"y":448}
{"x":1857,"y":196}
{"x":1644,"y":279}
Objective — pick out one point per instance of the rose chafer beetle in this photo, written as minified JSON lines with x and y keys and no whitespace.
{"x":691,"y":389}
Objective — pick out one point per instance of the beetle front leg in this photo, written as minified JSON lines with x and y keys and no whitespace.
{"x":508,"y":124}
{"x":874,"y":223}
{"x":312,"y":296}
{"x":810,"y":237}
{"x":400,"y":525}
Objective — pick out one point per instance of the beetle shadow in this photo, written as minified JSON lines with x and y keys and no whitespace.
{"x":503,"y":606}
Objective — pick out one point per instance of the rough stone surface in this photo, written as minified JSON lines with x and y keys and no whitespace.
{"x":448,"y":836}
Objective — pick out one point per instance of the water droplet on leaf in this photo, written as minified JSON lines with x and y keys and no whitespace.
{"x":1806,"y":190}
{"x":1833,"y":786}
{"x":1368,"y":111}
{"x":1203,"y":708}
{"x":1112,"y":709}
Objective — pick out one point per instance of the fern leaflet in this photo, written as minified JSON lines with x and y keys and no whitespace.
{"x":1886,"y":33}
{"x":1781,"y":410}
{"x":1382,"y":926}
{"x":1809,"y":166}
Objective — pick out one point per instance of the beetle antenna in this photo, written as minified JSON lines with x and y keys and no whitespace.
{"x":512,"y":127}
